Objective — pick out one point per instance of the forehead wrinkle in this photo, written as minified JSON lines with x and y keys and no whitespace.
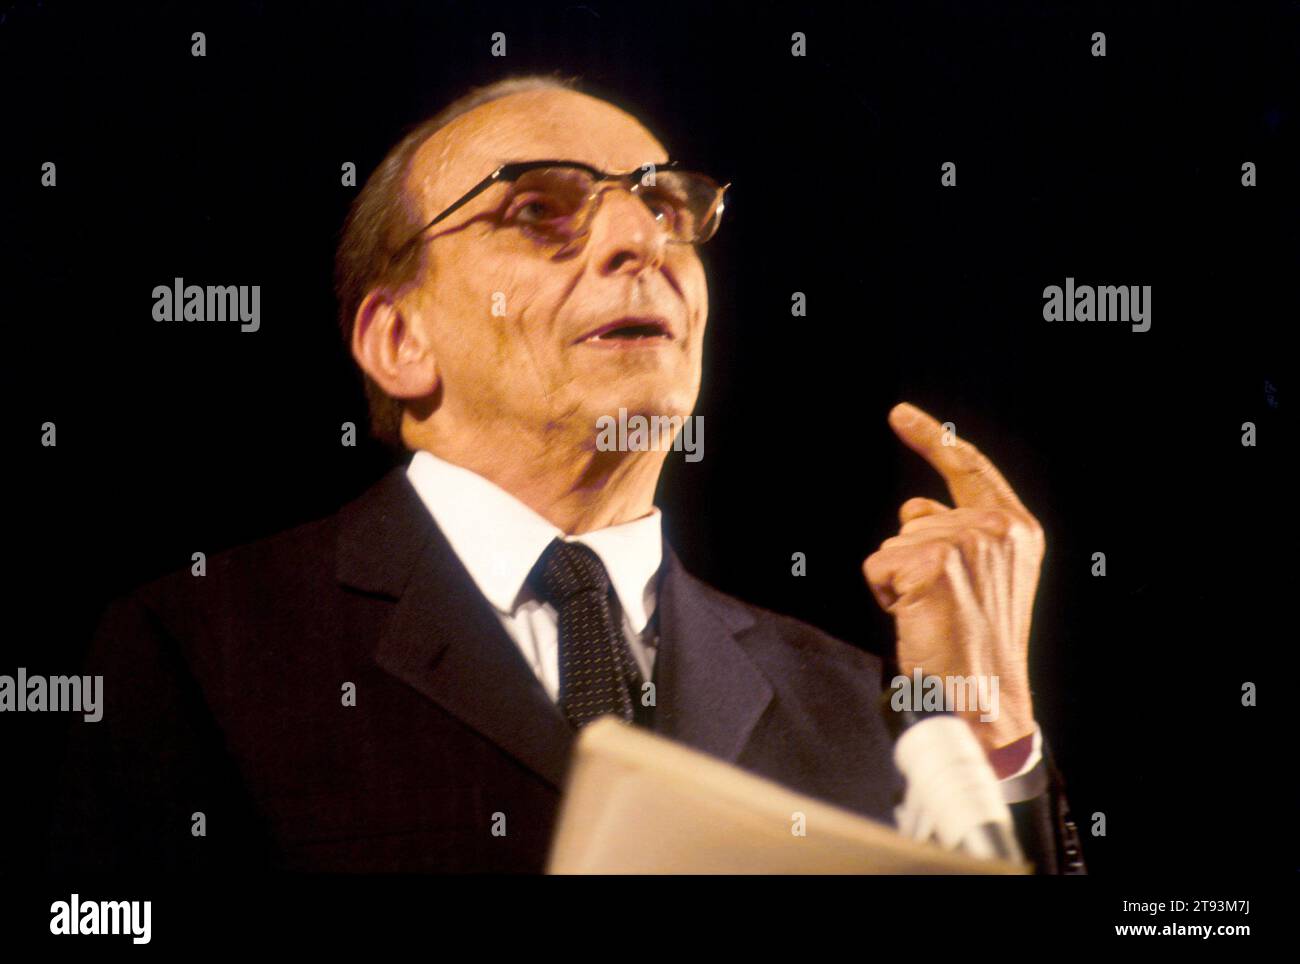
{"x":526,"y":127}
{"x":431,"y":175}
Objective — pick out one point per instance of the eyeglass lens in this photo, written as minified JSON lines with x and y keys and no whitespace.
{"x":554,"y":204}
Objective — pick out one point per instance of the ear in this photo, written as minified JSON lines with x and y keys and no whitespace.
{"x":392,"y":351}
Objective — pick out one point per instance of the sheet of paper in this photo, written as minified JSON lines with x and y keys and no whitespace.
{"x":638,"y":803}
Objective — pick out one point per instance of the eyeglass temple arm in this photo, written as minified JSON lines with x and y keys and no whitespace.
{"x":474,"y":192}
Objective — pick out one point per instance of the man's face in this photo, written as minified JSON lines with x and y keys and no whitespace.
{"x":529,"y":365}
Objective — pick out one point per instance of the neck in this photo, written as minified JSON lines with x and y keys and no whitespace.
{"x":573,"y":487}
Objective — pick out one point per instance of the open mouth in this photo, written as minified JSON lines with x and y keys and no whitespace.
{"x":630,"y":329}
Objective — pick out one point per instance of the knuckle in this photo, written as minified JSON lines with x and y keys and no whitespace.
{"x":873,"y":566}
{"x":999,"y":523}
{"x":1028,"y":530}
{"x":977,"y":463}
{"x":945,"y":554}
{"x":968,"y":543}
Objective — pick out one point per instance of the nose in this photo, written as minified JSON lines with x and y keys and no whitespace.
{"x":624,"y":234}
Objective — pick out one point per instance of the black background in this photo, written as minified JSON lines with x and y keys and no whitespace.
{"x":175,"y":438}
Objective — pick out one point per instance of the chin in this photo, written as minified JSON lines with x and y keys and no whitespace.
{"x":647,"y":400}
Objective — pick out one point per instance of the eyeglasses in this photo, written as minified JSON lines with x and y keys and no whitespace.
{"x":552,"y":202}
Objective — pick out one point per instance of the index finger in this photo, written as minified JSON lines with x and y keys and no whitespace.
{"x":972,"y":479}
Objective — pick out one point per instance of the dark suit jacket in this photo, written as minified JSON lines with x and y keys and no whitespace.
{"x":224,"y":697}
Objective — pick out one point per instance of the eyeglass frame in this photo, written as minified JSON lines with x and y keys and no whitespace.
{"x":509,"y":172}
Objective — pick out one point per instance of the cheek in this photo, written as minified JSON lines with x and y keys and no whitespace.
{"x":486,"y":307}
{"x":696,"y":289}
{"x":532,"y":295}
{"x":526,"y":340}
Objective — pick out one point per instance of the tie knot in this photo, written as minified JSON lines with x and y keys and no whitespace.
{"x":565,"y":569}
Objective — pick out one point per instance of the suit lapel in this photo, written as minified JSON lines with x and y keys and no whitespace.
{"x":446,"y":642}
{"x":709,"y":693}
{"x":444,"y":639}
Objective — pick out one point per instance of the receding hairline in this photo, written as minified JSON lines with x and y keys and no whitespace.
{"x":447,"y":141}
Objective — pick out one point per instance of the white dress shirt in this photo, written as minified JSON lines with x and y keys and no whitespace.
{"x":498,"y":539}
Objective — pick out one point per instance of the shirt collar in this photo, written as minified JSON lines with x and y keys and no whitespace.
{"x":499,"y":539}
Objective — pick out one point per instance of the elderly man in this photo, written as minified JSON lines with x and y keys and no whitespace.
{"x":398,"y":687}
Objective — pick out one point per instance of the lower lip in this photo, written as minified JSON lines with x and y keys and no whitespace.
{"x":627,"y":344}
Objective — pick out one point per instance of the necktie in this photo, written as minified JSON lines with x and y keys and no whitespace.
{"x":595,"y":663}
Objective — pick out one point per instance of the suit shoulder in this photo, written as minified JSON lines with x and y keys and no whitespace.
{"x":295,"y":563}
{"x":294,"y":578}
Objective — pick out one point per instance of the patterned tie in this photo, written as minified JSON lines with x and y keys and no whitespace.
{"x":595,"y":663}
